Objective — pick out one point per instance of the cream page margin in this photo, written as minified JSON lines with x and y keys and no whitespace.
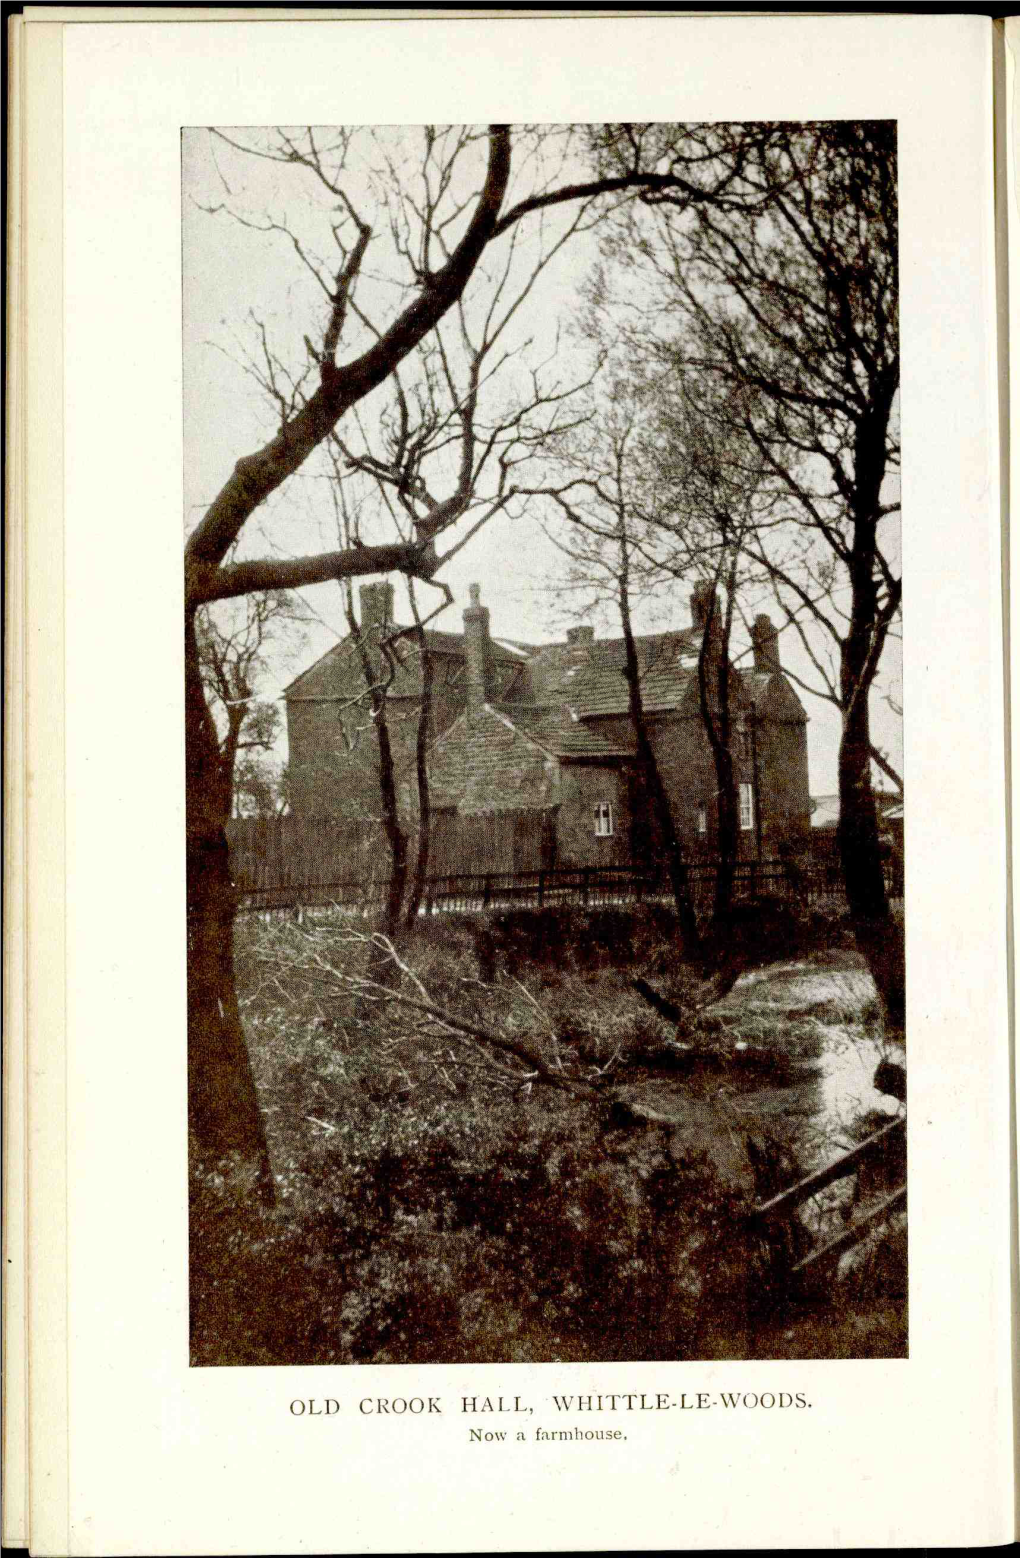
{"x":164,"y":1459}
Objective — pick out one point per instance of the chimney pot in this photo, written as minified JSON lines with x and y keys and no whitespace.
{"x":376,"y":604}
{"x":702,"y":602}
{"x":765,"y":638}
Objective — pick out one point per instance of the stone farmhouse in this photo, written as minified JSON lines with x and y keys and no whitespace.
{"x":546,"y":728}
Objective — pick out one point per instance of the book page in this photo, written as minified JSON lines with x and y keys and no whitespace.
{"x":35,"y":1286}
{"x":706,"y":1447}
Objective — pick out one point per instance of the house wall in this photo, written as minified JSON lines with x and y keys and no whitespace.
{"x":685,"y":762}
{"x":333,"y":752}
{"x":684,"y":757}
{"x":582,"y":786}
{"x":783,"y":780}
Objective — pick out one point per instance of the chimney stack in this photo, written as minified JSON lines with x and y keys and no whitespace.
{"x":477,"y":651}
{"x":703,"y":600}
{"x":376,"y":605}
{"x":580,"y":636}
{"x":765,"y":638}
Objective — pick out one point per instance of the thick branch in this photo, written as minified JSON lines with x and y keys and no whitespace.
{"x":256,"y":476}
{"x":291,"y":573}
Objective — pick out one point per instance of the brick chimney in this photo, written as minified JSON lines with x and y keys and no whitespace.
{"x":702,"y":601}
{"x":765,"y":638}
{"x":376,"y":605}
{"x":477,"y":651}
{"x":580,"y":636}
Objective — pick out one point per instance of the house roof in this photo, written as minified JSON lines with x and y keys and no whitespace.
{"x":666,"y":660}
{"x":566,"y":682}
{"x":505,"y":652}
{"x":824,"y":811}
{"x":668,"y":670}
{"x":553,"y":727}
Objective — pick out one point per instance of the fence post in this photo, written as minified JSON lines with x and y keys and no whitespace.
{"x":487,"y":894}
{"x":585,"y":882}
{"x":541,"y":888}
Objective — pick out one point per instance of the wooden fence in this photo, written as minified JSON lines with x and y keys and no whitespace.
{"x":499,"y":861}
{"x":269,"y":855}
{"x":581,"y":886}
{"x":785,"y":1205}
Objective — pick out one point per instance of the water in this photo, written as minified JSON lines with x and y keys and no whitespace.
{"x":799,"y":1044}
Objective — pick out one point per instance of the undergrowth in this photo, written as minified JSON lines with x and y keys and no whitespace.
{"x":435,"y":1201}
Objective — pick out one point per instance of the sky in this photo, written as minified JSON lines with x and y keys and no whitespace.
{"x":245,"y":285}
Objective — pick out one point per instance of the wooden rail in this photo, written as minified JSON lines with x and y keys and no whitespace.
{"x":584,"y":885}
{"x":787,"y":1201}
{"x":857,"y":1230}
{"x":783,"y":1206}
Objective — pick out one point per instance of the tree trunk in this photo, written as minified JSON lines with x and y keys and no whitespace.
{"x":879,"y":938}
{"x":373,"y":671}
{"x":654,"y":788}
{"x":223,"y":1110}
{"x":714,"y":677}
{"x":422,"y":737}
{"x":395,"y":835}
{"x":729,"y":837}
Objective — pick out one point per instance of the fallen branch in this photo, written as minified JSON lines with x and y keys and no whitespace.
{"x":658,"y":1002}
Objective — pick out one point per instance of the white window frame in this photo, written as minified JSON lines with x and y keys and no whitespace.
{"x":702,"y":819}
{"x":605,"y":823}
{"x":746,"y":807}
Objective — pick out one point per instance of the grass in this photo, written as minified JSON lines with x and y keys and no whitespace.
{"x":439,"y":1201}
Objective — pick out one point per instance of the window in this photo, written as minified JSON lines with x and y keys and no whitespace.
{"x":743,"y":743}
{"x":702,"y":818}
{"x":746,"y":808}
{"x":603,"y":819}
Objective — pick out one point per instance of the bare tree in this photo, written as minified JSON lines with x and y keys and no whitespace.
{"x":706,"y":482}
{"x":234,"y":642}
{"x":426,"y":661}
{"x":439,"y":218}
{"x":606,"y":541}
{"x":788,"y":283}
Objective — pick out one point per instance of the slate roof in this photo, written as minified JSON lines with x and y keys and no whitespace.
{"x":562,"y":684}
{"x":504,"y":650}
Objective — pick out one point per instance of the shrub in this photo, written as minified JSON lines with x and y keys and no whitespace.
{"x":535,"y":1236}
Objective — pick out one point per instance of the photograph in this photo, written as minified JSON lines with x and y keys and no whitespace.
{"x":543,"y":742}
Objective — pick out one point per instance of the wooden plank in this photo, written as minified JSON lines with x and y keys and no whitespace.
{"x":787,"y":1201}
{"x":857,"y":1230}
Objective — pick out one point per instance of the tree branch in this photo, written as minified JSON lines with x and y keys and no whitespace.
{"x":265,"y":573}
